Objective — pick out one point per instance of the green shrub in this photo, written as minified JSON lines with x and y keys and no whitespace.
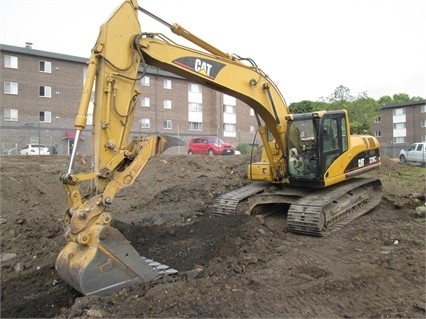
{"x":245,"y":148}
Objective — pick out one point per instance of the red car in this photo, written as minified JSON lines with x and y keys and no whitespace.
{"x":209,"y":145}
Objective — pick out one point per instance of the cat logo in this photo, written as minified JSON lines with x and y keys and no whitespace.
{"x":202,"y":67}
{"x":207,"y":68}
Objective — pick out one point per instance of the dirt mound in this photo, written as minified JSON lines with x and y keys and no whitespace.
{"x":229,"y":266}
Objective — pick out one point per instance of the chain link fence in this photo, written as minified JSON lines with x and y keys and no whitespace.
{"x":392,"y":150}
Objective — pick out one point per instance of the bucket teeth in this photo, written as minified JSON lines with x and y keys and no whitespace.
{"x":159,"y":267}
{"x":162,"y":267}
{"x":154,"y":264}
{"x":169,"y":271}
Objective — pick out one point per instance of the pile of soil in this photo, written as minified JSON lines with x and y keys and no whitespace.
{"x":229,"y":266}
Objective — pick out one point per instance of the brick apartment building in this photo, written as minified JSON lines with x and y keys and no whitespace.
{"x":42,"y":90}
{"x":400,"y":125}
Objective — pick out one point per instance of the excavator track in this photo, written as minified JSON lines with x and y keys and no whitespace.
{"x":315,"y":212}
{"x":227,"y":203}
{"x":327,"y":210}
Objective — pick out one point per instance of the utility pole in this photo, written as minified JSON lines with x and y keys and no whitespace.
{"x":39,"y":133}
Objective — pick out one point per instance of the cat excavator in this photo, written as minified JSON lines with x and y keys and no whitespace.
{"x":309,"y":163}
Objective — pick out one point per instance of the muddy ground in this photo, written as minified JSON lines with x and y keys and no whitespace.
{"x":229,"y":266}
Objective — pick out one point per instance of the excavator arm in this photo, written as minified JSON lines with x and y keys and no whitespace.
{"x":97,"y":259}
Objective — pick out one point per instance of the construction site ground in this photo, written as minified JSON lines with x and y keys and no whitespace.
{"x":231,"y":266}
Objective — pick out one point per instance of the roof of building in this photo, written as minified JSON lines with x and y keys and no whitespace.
{"x":28,"y":50}
{"x":409,"y":103}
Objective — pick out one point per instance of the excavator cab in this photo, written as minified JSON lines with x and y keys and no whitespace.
{"x":322,"y":138}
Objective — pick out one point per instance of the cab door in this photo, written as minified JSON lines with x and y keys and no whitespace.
{"x":333,"y":138}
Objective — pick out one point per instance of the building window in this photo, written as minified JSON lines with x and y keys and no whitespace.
{"x":195,"y":107}
{"x":145,"y":81}
{"x":229,"y":109}
{"x":398,"y":126}
{"x":195,"y":126}
{"x":145,"y":123}
{"x":45,"y":91}
{"x":11,"y":88}
{"x":377,"y":134}
{"x":252,"y":129}
{"x":145,"y":101}
{"x":10,"y":61}
{"x":45,"y":117}
{"x":229,"y":127}
{"x":167,"y":104}
{"x":397,"y":112}
{"x":167,"y":84}
{"x":399,"y":139}
{"x":11,"y":115}
{"x":46,"y":66}
{"x":423,"y":108}
{"x":194,"y":88}
{"x":378,"y":119}
{"x":423,"y":123}
{"x":251,"y":112}
{"x":168,"y":124}
{"x":424,"y":138}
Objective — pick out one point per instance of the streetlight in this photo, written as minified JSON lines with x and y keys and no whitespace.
{"x":38,"y":134}
{"x":178,"y":138}
{"x":38,"y":131}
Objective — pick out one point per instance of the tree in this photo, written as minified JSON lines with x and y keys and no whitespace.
{"x":308,"y":107}
{"x":341,"y":93}
{"x":398,"y":98}
{"x":362,"y":110}
{"x":417,"y":98}
{"x":301,"y":107}
{"x":362,"y":113}
{"x":385,"y":100}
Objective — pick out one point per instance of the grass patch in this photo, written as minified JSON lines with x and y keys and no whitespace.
{"x":414,"y":177}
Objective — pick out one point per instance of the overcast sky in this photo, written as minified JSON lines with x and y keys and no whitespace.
{"x":308,"y":47}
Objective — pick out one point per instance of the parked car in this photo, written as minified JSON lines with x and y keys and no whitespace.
{"x":415,"y":154}
{"x":35,"y":149}
{"x":9,"y":151}
{"x":209,"y":145}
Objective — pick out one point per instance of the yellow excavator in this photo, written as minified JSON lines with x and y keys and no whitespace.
{"x":309,"y":162}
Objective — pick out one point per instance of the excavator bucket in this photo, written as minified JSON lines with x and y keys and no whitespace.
{"x":107,"y":267}
{"x":97,"y":258}
{"x":171,"y":141}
